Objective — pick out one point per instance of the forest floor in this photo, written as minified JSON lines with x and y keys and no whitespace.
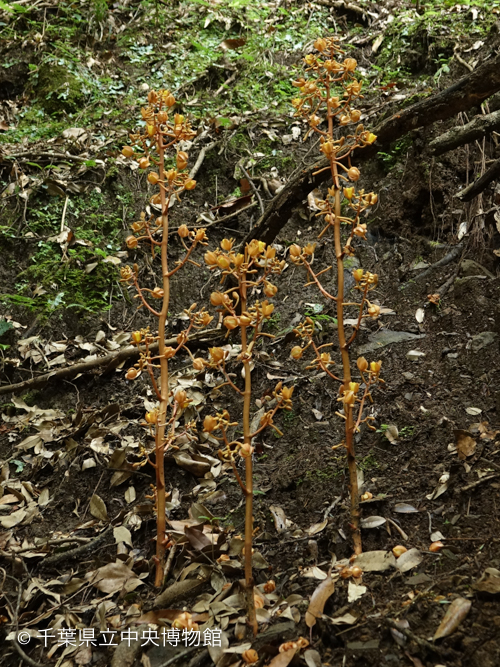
{"x":73,"y":80}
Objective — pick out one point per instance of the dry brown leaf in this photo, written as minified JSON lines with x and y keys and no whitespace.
{"x":114,"y":577}
{"x":456,"y":613}
{"x":283,"y":659}
{"x":318,"y":601}
{"x":466,"y":445}
{"x":98,"y":508}
{"x":230,"y":44}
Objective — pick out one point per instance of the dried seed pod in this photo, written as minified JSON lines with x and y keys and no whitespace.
{"x":269,"y":586}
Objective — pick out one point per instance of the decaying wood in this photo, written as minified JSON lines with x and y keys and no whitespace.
{"x":109,"y":362}
{"x":481,"y":184}
{"x":466,"y":93}
{"x":458,"y":136}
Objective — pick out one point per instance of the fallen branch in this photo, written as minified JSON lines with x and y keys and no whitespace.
{"x":458,"y":136}
{"x":77,"y":552}
{"x":473,"y":485}
{"x":201,"y":157}
{"x":481,"y":184}
{"x":42,"y":156}
{"x":110,"y":361}
{"x":468,"y":92}
{"x":423,"y":643}
{"x":447,"y":259}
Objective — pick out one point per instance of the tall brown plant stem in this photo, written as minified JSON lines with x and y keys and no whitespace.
{"x":164,"y":390}
{"x":247,"y":395}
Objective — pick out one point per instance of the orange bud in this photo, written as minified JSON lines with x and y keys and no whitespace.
{"x":355,"y":115}
{"x":436,"y":546}
{"x":250,"y":656}
{"x":269,"y":586}
{"x":210,"y":258}
{"x":354,"y":173}
{"x":346,"y":573}
{"x":210,"y":424}
{"x":231,"y":322}
{"x":267,"y":309}
{"x":350,"y":64}
{"x":362,"y":364}
{"x":320,"y":44}
{"x":373,"y":311}
{"x":143,"y":163}
{"x":287,"y":392}
{"x":227,"y":244}
{"x":239,"y":259}
{"x":246,"y":450}
{"x":127,"y":151}
{"x":153,"y":178}
{"x":183,"y":231}
{"x":169,"y":352}
{"x":358,"y":275}
{"x":136,"y":336}
{"x":217,"y":298}
{"x":131,"y":242}
{"x":295,"y":250}
{"x":132,"y":373}
{"x":366,"y":496}
{"x":296,"y":352}
{"x":223,"y":262}
{"x":270,"y":290}
{"x":217,"y":354}
{"x":245,"y":320}
{"x":182,"y":160}
{"x":171,"y":175}
{"x":399,"y":550}
{"x":198,"y":364}
{"x":152,"y":417}
{"x":170,"y":100}
{"x":375,"y":367}
{"x":356,"y":571}
{"x":162,"y":116}
{"x":180,"y":397}
{"x":157,"y":293}
{"x":190,"y":184}
{"x":354,"y":387}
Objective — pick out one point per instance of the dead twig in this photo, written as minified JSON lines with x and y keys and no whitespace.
{"x":255,"y":191}
{"x":423,"y":643}
{"x":473,"y":485}
{"x":77,"y":552}
{"x":110,"y":361}
{"x":201,"y":157}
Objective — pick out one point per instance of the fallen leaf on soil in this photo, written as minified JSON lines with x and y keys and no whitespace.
{"x":345,"y":619}
{"x":375,"y":561}
{"x":409,"y":560}
{"x":456,"y":613}
{"x":372,"y":522}
{"x":114,"y":577}
{"x":122,"y":534}
{"x":98,"y":508}
{"x":281,"y":523}
{"x":489,"y":581}
{"x":283,"y":659}
{"x":466,"y":445}
{"x":315,"y":573}
{"x":399,"y":637}
{"x":420,"y":315}
{"x":404,"y":508}
{"x":473,"y":411}
{"x":232,"y":43}
{"x":13,"y":519}
{"x":318,"y":601}
{"x":312,"y":658}
{"x":355,"y":591}
{"x":317,"y":527}
{"x":392,"y":433}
